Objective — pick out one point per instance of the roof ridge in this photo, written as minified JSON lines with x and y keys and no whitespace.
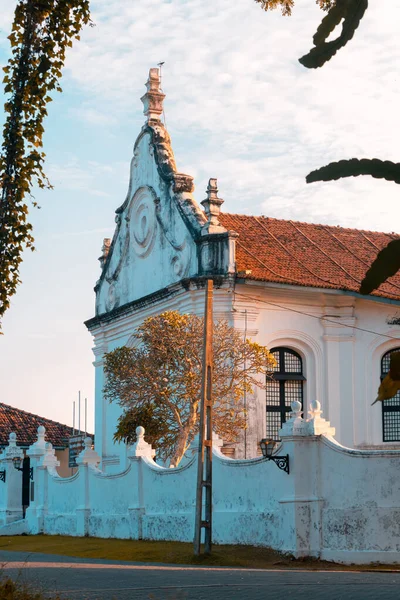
{"x":222,"y":214}
{"x":21,"y":410}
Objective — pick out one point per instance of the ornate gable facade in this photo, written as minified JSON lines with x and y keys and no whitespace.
{"x":290,"y":286}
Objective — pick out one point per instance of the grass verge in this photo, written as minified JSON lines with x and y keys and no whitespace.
{"x":168,"y":552}
{"x":11,"y":590}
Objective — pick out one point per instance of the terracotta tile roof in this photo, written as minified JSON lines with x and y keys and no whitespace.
{"x":25,"y":425}
{"x":306,"y":254}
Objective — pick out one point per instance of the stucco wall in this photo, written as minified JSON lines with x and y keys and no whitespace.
{"x":341,"y":363}
{"x":336,"y":503}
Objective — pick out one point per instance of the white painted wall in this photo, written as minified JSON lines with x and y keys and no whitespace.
{"x":152,"y":246}
{"x":336,"y":503}
{"x":163,"y":246}
{"x":341,"y":364}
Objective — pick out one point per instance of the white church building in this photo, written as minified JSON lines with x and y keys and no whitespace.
{"x":288,"y":285}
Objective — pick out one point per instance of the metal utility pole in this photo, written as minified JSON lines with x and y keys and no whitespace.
{"x":204,"y":468}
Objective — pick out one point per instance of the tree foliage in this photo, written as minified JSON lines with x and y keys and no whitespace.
{"x":41,"y":33}
{"x":287,"y":5}
{"x":160,"y":380}
{"x":346,"y":12}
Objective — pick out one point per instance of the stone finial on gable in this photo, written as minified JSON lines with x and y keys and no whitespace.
{"x":88,"y":456}
{"x":296,"y":425}
{"x":141,"y":447}
{"x":212,"y":207}
{"x":105,"y":249}
{"x":49,"y":459}
{"x":154,"y":97}
{"x":12,"y":450}
{"x":39,"y":447}
{"x":317,"y":425}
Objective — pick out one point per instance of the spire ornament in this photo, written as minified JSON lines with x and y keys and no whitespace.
{"x":212,"y":208}
{"x":154,"y":97}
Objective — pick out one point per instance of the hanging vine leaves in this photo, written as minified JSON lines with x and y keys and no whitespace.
{"x":41,"y":32}
{"x":349,"y":11}
{"x":354,"y":167}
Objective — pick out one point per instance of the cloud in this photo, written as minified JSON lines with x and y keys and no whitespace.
{"x":240,"y":107}
{"x":83,"y":176}
{"x":93,"y":116}
{"x":65,"y":234}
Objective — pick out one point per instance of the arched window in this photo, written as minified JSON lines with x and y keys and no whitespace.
{"x":390,"y":408}
{"x":285,"y":386}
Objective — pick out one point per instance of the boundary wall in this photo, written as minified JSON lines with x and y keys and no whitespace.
{"x":336,"y":503}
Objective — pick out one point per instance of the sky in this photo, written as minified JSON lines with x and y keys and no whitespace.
{"x":238,"y":106}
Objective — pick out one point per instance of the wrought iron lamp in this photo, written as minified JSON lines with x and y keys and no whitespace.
{"x":18,"y":465}
{"x":267,"y":447}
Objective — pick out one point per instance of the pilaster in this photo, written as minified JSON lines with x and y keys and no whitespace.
{"x":339,"y":342}
{"x":100,"y":408}
{"x":301,"y":507}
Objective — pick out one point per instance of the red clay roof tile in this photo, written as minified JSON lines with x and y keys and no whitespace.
{"x":25,"y":425}
{"x":306,"y":254}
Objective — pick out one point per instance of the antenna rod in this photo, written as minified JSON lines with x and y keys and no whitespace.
{"x":73,"y":418}
{"x":85,"y":417}
{"x":79,"y":412}
{"x":160,"y":65}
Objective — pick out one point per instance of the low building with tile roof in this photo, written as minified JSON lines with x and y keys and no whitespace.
{"x":25,"y":425}
{"x":291,"y":286}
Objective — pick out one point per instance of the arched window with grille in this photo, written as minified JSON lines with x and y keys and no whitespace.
{"x":390,"y":408}
{"x":285,"y":386}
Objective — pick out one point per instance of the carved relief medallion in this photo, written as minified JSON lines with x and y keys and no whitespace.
{"x":143,"y":222}
{"x":112,"y":298}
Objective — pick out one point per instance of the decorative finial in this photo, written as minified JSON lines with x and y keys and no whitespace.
{"x":105,"y":249}
{"x":140,"y":432}
{"x":212,"y":207}
{"x":153,"y":98}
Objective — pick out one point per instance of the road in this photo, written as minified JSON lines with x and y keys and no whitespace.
{"x":90,"y":579}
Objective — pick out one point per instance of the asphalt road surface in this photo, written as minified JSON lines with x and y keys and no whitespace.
{"x":90,"y":579}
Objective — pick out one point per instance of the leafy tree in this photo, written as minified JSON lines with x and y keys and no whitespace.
{"x":160,"y":379}
{"x":349,"y":13}
{"x":41,"y":32}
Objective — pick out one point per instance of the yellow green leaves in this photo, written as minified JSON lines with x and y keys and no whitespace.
{"x":161,"y":376}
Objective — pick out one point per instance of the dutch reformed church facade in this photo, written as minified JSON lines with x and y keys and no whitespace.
{"x":288,"y":285}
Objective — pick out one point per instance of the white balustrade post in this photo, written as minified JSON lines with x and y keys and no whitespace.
{"x":11,"y":483}
{"x":301,"y":505}
{"x":37,"y":506}
{"x":87,"y":460}
{"x":136,"y":453}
